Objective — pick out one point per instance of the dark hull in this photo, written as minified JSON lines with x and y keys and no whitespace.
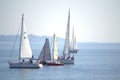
{"x":73,"y":51}
{"x":67,"y":61}
{"x":55,"y":64}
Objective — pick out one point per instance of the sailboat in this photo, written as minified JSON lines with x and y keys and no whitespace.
{"x":45,"y":54}
{"x":66,"y":58}
{"x":25,"y":52}
{"x":56,"y":61}
{"x":73,"y":46}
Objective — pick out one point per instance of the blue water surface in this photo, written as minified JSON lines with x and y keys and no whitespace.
{"x":94,"y":61}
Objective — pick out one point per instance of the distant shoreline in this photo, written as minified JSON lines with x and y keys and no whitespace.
{"x":37,"y":38}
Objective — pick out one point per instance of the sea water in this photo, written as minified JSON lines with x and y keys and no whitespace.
{"x":94,"y":61}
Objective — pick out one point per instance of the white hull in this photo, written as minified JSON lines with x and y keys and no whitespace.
{"x":25,"y":65}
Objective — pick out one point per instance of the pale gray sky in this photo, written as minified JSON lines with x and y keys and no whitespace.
{"x":93,"y":20}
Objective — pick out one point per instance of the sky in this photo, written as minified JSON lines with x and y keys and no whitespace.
{"x":93,"y":20}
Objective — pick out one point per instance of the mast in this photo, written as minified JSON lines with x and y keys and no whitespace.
{"x":66,"y":45}
{"x":68,"y":29}
{"x":52,"y":55}
{"x":73,"y":39}
{"x":21,"y":35}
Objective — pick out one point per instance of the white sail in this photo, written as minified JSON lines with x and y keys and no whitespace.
{"x":73,"y":45}
{"x":66,"y":45}
{"x":25,"y":49}
{"x":72,"y":40}
{"x":55,"y":48}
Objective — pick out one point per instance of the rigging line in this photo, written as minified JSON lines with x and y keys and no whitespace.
{"x":14,"y":43}
{"x":41,"y":41}
{"x":51,"y":45}
{"x":51,"y":42}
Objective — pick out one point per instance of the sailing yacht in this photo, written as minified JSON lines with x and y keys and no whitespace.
{"x":66,"y":58}
{"x":25,"y":52}
{"x":73,"y":46}
{"x":45,"y":54}
{"x":56,"y":61}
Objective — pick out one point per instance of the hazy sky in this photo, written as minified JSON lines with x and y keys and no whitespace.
{"x":93,"y":20}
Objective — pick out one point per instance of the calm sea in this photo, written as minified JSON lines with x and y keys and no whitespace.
{"x":94,"y":61}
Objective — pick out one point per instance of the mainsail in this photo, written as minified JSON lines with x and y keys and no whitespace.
{"x":55,"y":48}
{"x":73,"y":45}
{"x":25,"y":49}
{"x":66,"y":45}
{"x":72,"y":41}
{"x":45,"y":52}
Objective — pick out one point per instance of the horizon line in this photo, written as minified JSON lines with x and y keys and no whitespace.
{"x":64,"y":38}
